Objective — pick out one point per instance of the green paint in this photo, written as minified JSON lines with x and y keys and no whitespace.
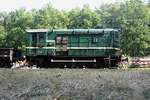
{"x":45,"y":43}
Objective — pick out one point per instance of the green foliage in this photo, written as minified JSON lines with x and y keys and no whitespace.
{"x":15,"y":24}
{"x":132,"y":17}
{"x":16,"y":38}
{"x":49,"y":17}
{"x":2,"y":36}
{"x":135,"y":28}
{"x":83,"y":18}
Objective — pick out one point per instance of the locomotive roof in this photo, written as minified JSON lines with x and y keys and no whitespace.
{"x":70,"y":30}
{"x":37,"y":30}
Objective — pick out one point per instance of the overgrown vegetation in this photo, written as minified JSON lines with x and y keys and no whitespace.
{"x":132,"y":17}
{"x":74,"y":84}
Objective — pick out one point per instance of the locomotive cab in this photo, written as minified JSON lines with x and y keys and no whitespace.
{"x":36,"y":42}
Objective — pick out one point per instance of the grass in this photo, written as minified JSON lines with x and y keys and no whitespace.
{"x":74,"y":84}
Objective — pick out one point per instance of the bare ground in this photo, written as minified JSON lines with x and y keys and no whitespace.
{"x":74,"y":84}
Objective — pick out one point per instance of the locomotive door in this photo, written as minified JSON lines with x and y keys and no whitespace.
{"x":37,"y":42}
{"x":61,"y":45}
{"x":34,"y":43}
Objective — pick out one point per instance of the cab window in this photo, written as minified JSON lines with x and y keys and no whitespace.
{"x":41,"y":37}
{"x":34,"y":37}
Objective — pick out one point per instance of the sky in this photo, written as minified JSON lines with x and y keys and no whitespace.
{"x":10,"y":5}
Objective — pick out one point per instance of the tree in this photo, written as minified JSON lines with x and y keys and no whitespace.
{"x":16,"y":24}
{"x":49,"y":17}
{"x":2,"y":36}
{"x":16,"y":38}
{"x":83,"y":18}
{"x":131,"y":17}
{"x":135,"y":38}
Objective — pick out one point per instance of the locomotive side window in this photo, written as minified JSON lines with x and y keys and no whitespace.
{"x":58,"y":39}
{"x":41,"y":37}
{"x":34,"y":37}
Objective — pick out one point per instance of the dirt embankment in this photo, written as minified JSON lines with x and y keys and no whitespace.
{"x":74,"y":84}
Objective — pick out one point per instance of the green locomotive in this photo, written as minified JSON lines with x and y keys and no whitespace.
{"x":73,"y":47}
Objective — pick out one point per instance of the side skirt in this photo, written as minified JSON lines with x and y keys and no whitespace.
{"x":74,"y":62}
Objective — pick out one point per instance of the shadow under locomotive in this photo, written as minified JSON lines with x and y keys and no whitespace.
{"x":8,"y":56}
{"x":74,"y":62}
